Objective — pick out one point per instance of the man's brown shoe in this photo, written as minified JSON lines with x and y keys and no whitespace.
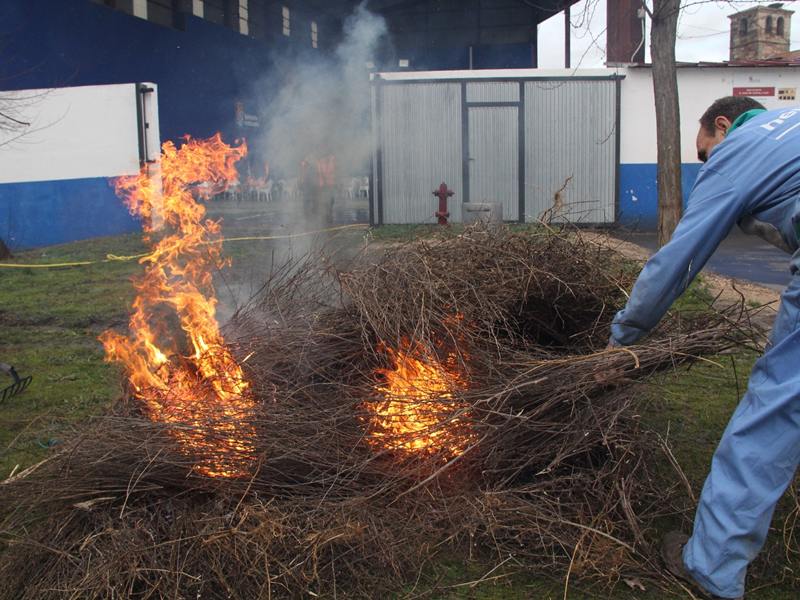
{"x":672,"y":554}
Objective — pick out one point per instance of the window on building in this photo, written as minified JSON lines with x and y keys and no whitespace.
{"x":780,"y":26}
{"x":314,"y":35}
{"x":244,"y":18}
{"x":768,"y":27}
{"x":743,"y":27}
{"x":287,"y":23}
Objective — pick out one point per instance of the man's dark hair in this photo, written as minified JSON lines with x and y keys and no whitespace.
{"x":730,"y":107}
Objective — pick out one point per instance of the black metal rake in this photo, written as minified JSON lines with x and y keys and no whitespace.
{"x":19,"y":385}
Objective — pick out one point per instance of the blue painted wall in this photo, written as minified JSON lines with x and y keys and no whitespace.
{"x":638,"y":193}
{"x":498,"y":56}
{"x":504,"y":56}
{"x":54,"y":212}
{"x":202,"y":70}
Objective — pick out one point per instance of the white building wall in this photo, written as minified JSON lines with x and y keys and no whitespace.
{"x":698,"y":87}
{"x":76,"y":133}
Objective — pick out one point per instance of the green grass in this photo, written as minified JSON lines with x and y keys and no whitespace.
{"x":71,"y":297}
{"x":49,"y":322}
{"x":50,"y":319}
{"x":690,"y":408}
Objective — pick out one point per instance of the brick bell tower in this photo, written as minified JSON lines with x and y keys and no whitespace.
{"x":760,"y":33}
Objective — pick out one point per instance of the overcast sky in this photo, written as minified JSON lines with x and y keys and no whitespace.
{"x":703,"y":32}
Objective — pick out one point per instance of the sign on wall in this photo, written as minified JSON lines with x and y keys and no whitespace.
{"x":754,"y":91}
{"x":243,"y":118}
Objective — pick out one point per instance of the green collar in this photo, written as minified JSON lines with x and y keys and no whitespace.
{"x":744,"y":118}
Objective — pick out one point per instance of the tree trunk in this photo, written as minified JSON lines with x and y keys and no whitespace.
{"x":668,"y":129}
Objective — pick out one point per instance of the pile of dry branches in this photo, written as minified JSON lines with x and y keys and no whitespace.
{"x":528,"y":455}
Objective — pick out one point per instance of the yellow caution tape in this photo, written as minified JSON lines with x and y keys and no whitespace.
{"x":115,"y":258}
{"x":80,"y":263}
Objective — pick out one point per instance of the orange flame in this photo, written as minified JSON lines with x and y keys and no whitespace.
{"x":205,"y":391}
{"x":420,"y":410}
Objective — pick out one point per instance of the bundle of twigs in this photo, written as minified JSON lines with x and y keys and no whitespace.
{"x":529,"y":453}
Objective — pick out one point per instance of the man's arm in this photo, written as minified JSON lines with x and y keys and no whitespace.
{"x":714,"y":207}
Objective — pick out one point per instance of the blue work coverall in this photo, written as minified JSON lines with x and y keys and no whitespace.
{"x":752,"y":179}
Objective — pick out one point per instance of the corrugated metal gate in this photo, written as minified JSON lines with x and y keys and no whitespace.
{"x":527,"y":143}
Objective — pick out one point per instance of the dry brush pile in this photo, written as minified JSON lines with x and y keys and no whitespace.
{"x":450,"y":397}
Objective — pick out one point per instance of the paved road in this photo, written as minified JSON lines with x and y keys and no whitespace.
{"x":741,"y":256}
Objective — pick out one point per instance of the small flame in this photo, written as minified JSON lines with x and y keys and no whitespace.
{"x":205,"y":390}
{"x":420,"y":411}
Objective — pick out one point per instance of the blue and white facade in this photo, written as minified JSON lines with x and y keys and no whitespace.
{"x":217,"y":64}
{"x":212,"y":63}
{"x":698,"y":86}
{"x":55,"y":172}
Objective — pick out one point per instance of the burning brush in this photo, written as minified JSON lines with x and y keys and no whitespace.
{"x":420,"y":412}
{"x":438,"y":396}
{"x":204,"y":389}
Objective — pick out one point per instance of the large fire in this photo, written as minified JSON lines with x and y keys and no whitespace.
{"x":420,"y":412}
{"x":193,"y":382}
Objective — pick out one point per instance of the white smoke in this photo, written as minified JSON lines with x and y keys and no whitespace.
{"x":323,"y":106}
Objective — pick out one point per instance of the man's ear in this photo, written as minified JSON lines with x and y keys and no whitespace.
{"x":722,"y":123}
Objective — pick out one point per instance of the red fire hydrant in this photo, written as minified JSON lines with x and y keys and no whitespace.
{"x":443,"y":193}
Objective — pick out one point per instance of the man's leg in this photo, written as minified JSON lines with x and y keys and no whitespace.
{"x":754,"y":463}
